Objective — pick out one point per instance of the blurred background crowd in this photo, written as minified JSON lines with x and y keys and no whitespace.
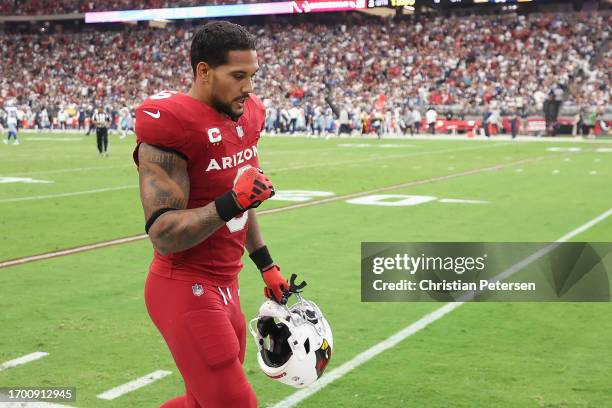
{"x":323,"y":76}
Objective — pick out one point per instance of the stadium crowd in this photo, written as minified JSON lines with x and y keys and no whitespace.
{"x":383,"y":69}
{"x":46,"y":7}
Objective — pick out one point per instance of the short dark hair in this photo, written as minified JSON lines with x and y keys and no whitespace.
{"x":213,"y":41}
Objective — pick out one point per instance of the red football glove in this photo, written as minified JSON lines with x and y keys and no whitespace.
{"x":252,"y":188}
{"x":275,"y":283}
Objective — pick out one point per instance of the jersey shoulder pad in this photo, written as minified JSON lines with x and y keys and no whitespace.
{"x":257,"y":102}
{"x":257,"y":112}
{"x":158,"y":123}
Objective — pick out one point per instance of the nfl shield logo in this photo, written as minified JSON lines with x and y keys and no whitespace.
{"x":239,"y":131}
{"x":198,"y":290}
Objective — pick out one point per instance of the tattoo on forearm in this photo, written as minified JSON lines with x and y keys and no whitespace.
{"x":164,"y":182}
{"x":188,"y":228}
{"x":167,"y":195}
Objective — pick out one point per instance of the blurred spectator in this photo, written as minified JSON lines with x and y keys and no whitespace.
{"x":431,"y":116}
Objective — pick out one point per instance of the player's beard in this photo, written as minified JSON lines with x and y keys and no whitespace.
{"x":226,"y":108}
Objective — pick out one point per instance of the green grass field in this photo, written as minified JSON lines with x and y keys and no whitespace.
{"x":87,"y":310}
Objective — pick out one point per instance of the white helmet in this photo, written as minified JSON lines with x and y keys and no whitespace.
{"x":294,"y":343}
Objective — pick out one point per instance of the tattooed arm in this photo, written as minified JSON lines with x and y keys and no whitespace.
{"x":164,"y":183}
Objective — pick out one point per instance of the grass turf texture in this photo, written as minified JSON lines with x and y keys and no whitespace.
{"x":87,"y":310}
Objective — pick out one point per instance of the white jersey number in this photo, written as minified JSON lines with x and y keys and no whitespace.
{"x":163,"y":95}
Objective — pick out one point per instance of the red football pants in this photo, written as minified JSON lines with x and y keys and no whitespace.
{"x":206,"y":332}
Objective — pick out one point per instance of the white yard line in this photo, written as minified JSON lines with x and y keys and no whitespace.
{"x":83,"y":248}
{"x":459,"y":201}
{"x":312,"y":165}
{"x":499,"y":138}
{"x":78,"y":169}
{"x":51,"y":157}
{"x":445,"y":137}
{"x":585,"y":226}
{"x":74,"y":193}
{"x":54,"y":139}
{"x":23,"y":360}
{"x":332,"y":163}
{"x":405,"y":185}
{"x":363,"y":357}
{"x":423,"y":322}
{"x":71,"y":170}
{"x":133,"y":385}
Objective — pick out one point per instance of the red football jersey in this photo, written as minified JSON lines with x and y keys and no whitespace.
{"x":215,"y":148}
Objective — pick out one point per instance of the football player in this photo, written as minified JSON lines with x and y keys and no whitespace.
{"x":199,"y":175}
{"x":11,"y":121}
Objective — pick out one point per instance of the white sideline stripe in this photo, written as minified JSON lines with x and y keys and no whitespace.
{"x":71,"y":251}
{"x":133,"y":385}
{"x":71,"y":170}
{"x":22,"y":360}
{"x":299,"y":396}
{"x":29,"y":157}
{"x":407,"y":184}
{"x":540,"y":253}
{"x":102,"y":190}
{"x":585,"y":227}
{"x":370,"y":353}
{"x":83,"y":248}
{"x":439,"y":137}
{"x":395,"y":156}
{"x":55,"y":139}
{"x":423,"y":322}
{"x":74,"y":193}
{"x":459,"y":201}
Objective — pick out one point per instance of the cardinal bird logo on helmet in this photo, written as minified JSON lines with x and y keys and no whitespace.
{"x":295,"y":342}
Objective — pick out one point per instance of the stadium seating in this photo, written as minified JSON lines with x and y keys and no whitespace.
{"x":511,"y":61}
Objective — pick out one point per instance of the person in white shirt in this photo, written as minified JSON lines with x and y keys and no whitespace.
{"x":125,"y":121}
{"x":301,"y":119}
{"x":398,"y":123}
{"x":407,"y":121}
{"x":431,"y":116}
{"x":330,"y":123}
{"x":11,"y":122}
{"x":416,"y":118}
{"x":388,"y":122}
{"x":271,"y":113}
{"x":496,"y":119}
{"x":318,"y":121}
{"x":344,"y":121}
{"x":62,"y":117}
{"x":44,"y":118}
{"x":293,"y":117}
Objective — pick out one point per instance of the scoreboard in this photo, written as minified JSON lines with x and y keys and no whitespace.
{"x":280,"y":7}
